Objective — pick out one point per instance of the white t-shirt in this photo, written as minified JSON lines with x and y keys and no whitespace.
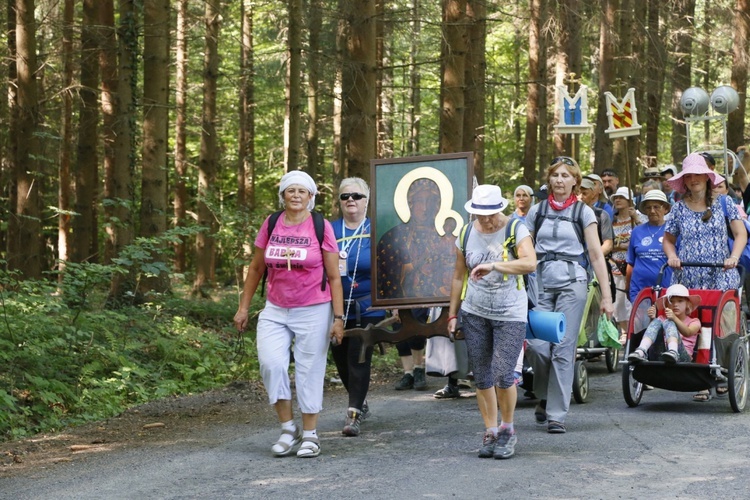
{"x":496,"y":295}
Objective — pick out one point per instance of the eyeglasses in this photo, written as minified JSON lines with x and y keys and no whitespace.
{"x":354,"y":196}
{"x":563,"y":159}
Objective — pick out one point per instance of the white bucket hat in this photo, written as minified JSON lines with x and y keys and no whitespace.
{"x":486,"y":199}
{"x":654,"y":195}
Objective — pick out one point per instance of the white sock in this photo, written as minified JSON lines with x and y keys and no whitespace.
{"x":493,"y":430}
{"x":310,"y":434}
{"x":285,"y":438}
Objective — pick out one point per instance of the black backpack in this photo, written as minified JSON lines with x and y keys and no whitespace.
{"x":319,"y":224}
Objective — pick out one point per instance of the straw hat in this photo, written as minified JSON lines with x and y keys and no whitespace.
{"x":486,"y":199}
{"x":678,"y":291}
{"x":694,"y":163}
{"x":654,"y":195}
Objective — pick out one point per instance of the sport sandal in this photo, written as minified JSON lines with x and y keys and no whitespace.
{"x":637,"y":356}
{"x":671,"y":356}
{"x":310,"y":448}
{"x":282,"y":448}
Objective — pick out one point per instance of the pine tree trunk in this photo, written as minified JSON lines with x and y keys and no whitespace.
{"x":25,"y":250}
{"x":384,"y":82}
{"x":531,"y":140}
{"x":358,"y":115}
{"x":66,"y":135}
{"x":11,"y":153}
{"x":607,"y":35}
{"x":736,"y":119}
{"x":452,"y":102}
{"x":180,"y":133}
{"x":476,"y":69}
{"x":414,"y":82}
{"x":208,"y":165}
{"x":568,"y":61}
{"x":312,"y":139}
{"x":292,"y":122}
{"x":655,"y":63}
{"x":85,"y":244}
{"x":110,"y":112}
{"x":154,"y":188}
{"x":683,"y":12}
{"x":246,"y":140}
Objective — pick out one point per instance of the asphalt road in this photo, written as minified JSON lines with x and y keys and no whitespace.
{"x":414,"y":446}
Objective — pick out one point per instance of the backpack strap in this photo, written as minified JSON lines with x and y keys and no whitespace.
{"x":272,"y":220}
{"x":463,"y":237}
{"x":509,"y":246}
{"x":320,"y":228}
{"x":318,"y":223}
{"x":576,"y":219}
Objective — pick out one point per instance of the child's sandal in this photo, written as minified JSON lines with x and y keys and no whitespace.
{"x":671,"y":356}
{"x":637,"y":356}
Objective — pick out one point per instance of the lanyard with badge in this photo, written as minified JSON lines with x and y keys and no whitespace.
{"x":346,"y":243}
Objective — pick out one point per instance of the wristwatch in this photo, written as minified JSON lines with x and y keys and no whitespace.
{"x":338,"y":316}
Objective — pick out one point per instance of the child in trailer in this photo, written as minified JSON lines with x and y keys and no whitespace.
{"x":680,"y":331}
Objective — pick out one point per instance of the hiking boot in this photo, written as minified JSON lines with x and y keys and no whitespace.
{"x":406,"y":382}
{"x":365,"y":412}
{"x":420,"y":384}
{"x":505,"y":447}
{"x":447,"y":392}
{"x":351,"y":424}
{"x":488,"y":445}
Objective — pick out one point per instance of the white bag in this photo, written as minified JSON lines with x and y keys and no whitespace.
{"x":444,"y":358}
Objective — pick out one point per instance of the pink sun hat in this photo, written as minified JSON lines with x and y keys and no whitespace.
{"x":694,"y":163}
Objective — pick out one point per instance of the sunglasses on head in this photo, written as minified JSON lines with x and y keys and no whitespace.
{"x":354,"y":196}
{"x":563,"y":159}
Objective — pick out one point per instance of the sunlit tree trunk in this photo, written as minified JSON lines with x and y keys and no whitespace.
{"x":66,"y":135}
{"x":607,"y":38}
{"x":474,"y":97}
{"x":453,"y":85}
{"x":180,"y":133}
{"x":246,"y":140}
{"x":156,"y":60}
{"x":682,"y":13}
{"x":313,"y":89}
{"x":208,"y":165}
{"x":109,"y":106}
{"x":531,"y":140}
{"x":25,"y":249}
{"x":85,"y":242}
{"x":358,"y":88}
{"x":656,"y":61}
{"x":736,"y":119}
{"x":292,"y":122}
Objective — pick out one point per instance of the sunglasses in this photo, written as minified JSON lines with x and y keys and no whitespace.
{"x":354,"y":196}
{"x":563,"y":159}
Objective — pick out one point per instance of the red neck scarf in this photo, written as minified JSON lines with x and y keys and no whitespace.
{"x":562,"y":206}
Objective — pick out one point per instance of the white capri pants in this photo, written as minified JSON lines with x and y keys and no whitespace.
{"x":309,"y":327}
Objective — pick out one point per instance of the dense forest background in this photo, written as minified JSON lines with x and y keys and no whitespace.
{"x":169,"y":122}
{"x":141,"y":143}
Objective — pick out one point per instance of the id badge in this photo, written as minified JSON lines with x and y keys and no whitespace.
{"x":343,"y":267}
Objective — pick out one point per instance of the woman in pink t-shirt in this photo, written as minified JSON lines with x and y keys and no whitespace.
{"x":297,"y":311}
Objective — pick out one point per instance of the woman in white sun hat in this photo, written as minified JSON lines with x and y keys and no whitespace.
{"x":493,"y":312}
